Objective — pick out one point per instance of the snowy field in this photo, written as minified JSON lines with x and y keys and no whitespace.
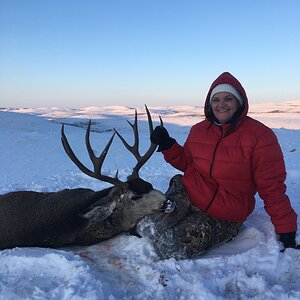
{"x":126,"y":267}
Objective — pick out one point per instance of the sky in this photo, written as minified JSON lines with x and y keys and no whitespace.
{"x":73,"y":53}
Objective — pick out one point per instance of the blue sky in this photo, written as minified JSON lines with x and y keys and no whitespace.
{"x":74,"y":53}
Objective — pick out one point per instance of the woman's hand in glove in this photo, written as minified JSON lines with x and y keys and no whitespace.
{"x":161,"y":137}
{"x":288,"y":240}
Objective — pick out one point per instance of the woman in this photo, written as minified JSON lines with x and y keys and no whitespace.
{"x":226,"y":159}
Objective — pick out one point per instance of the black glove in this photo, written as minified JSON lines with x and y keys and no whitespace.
{"x":160,"y":136}
{"x":288,"y":240}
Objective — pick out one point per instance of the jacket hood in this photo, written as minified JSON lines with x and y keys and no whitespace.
{"x":226,"y":77}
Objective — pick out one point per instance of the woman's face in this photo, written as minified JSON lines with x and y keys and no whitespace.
{"x":223,"y":106}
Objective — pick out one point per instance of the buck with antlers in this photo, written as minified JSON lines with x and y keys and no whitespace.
{"x":81,"y":216}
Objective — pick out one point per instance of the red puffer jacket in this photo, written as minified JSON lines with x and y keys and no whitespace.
{"x":224,"y":166}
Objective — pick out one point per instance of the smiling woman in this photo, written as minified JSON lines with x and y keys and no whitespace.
{"x":224,"y":106}
{"x":226,"y":160}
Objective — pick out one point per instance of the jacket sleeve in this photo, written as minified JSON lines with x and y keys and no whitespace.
{"x":176,"y":157}
{"x":269,"y":176}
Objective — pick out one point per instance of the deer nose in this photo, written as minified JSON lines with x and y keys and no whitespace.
{"x":140,"y":186}
{"x":168,"y":206}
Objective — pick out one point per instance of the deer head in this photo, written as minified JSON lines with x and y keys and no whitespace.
{"x":127,"y":202}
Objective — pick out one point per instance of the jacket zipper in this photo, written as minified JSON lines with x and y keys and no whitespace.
{"x":211,"y":167}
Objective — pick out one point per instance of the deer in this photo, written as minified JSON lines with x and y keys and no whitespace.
{"x":82,"y":216}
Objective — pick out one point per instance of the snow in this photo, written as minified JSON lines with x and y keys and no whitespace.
{"x":126,"y":267}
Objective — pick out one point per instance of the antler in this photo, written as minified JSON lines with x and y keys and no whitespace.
{"x":134,"y":149}
{"x":97,"y":161}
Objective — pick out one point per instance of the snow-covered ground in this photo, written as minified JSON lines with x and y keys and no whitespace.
{"x":126,"y":267}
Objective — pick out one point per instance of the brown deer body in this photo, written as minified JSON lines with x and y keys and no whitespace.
{"x":80,"y":216}
{"x":71,"y":217}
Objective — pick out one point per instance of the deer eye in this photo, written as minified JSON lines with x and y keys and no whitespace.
{"x":136,"y":197}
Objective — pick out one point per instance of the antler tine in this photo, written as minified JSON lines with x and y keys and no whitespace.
{"x":141,"y":160}
{"x":97,"y":161}
{"x":151,"y":149}
{"x":150,"y":120}
{"x":134,"y":149}
{"x":161,"y":122}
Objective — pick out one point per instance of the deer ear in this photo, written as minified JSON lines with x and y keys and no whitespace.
{"x":98,"y":212}
{"x":140,"y":186}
